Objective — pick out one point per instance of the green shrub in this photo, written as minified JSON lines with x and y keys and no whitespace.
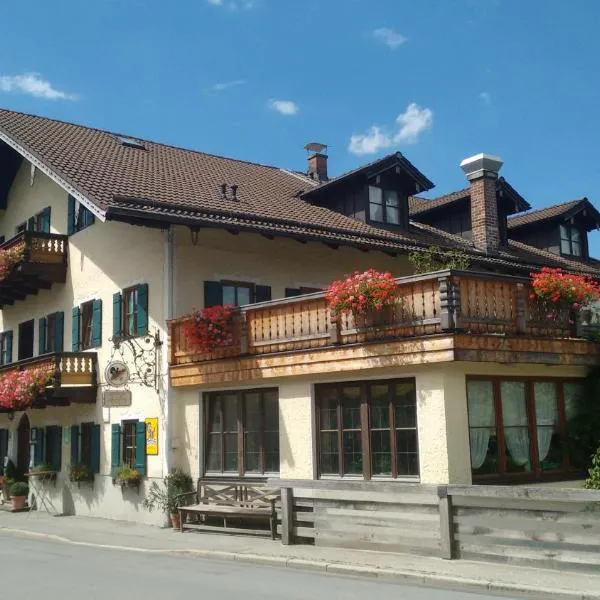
{"x":434,"y":259}
{"x":19,"y":489}
{"x":593,"y":480}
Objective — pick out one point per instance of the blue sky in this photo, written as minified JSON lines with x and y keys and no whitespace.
{"x":438,"y":80}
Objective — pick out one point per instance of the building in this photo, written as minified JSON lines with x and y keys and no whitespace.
{"x":121,"y":238}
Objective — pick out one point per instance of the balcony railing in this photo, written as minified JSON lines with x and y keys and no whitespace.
{"x":44,"y":258}
{"x":73,"y":377}
{"x":435,"y":303}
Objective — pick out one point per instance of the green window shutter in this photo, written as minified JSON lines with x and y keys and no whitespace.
{"x":115,"y":456}
{"x":88,"y":217}
{"x":117,"y":314}
{"x":140,"y":447}
{"x":59,"y":332}
{"x":97,"y":324}
{"x":75,"y":337}
{"x":45,"y":227}
{"x":71,"y":216}
{"x":37,"y":434}
{"x":291,"y":292}
{"x":95,"y":450}
{"x":74,"y":444}
{"x":142,"y":309}
{"x":9,"y":347}
{"x":42,"y":336}
{"x":262,"y":293}
{"x":213,"y":293}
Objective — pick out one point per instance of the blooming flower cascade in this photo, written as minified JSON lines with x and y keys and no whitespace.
{"x":360,"y":292}
{"x":210,"y":328}
{"x":563,"y":289}
{"x":8,"y":259}
{"x":18,"y":389}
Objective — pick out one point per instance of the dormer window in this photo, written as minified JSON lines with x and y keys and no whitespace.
{"x":384,"y":206}
{"x":571,"y":241}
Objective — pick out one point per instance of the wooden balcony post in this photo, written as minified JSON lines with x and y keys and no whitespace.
{"x":287,"y":516}
{"x":335,"y":328}
{"x":449,"y":303}
{"x":520,"y":304}
{"x":446,"y":524}
{"x":243,"y":332}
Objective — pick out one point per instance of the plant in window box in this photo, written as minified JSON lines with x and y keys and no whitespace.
{"x":210,"y":328}
{"x":563,"y":293}
{"x":43,"y":471}
{"x":80,"y":473}
{"x":127,"y":477}
{"x":369,"y":296}
{"x":18,"y":389}
{"x":8,"y":259}
{"x":169,"y":496}
{"x":18,"y":493}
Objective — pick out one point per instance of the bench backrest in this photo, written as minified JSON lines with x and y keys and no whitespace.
{"x":236,"y":494}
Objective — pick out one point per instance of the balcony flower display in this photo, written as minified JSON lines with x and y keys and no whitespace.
{"x":362,"y":293}
{"x":18,"y":389}
{"x":210,"y":328}
{"x":563,"y":291}
{"x":8,"y":259}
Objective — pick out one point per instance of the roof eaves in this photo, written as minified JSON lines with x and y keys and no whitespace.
{"x":51,"y":172}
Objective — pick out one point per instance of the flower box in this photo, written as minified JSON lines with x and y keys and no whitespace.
{"x":210,"y":328}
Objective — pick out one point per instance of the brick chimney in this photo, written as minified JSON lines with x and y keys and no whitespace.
{"x":482,"y":172}
{"x":317,"y":161}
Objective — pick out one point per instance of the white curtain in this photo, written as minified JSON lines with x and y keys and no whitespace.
{"x":573,"y":392}
{"x":481,"y":419}
{"x":514,"y":416}
{"x":546,"y":414}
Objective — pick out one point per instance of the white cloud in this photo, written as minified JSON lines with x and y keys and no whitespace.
{"x":233,"y":4}
{"x":389,"y":37}
{"x":486,"y":97}
{"x":34,"y":85}
{"x":284,"y":107}
{"x":225,"y":85}
{"x":410,"y":125}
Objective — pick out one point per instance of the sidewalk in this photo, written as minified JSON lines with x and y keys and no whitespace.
{"x":458,"y":574}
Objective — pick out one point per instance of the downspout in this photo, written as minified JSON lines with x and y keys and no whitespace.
{"x":169,"y":311}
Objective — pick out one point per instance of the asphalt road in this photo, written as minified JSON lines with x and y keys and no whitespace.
{"x":49,"y":570}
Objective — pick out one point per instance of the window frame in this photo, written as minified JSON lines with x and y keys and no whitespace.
{"x":211,"y":399}
{"x":366,"y":430}
{"x":127,"y":293}
{"x":568,"y":238}
{"x":86,"y":328}
{"x":236,"y":285}
{"x":79,"y":216}
{"x":126,"y":426}
{"x":536,"y":473}
{"x":4,"y":347}
{"x":384,"y":206}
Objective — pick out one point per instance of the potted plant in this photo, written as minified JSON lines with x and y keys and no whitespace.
{"x":563,"y":292}
{"x":364,"y":294}
{"x":19,"y":492}
{"x":210,"y":328}
{"x":167,"y":497}
{"x":43,"y":471}
{"x":10,"y":475}
{"x":80,"y":473}
{"x":126,"y":476}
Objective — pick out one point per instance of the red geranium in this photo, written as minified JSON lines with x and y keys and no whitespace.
{"x":210,"y":328}
{"x":18,"y":389}
{"x":8,"y":259}
{"x":359,"y":292}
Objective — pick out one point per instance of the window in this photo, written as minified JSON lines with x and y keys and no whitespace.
{"x":87,"y":325}
{"x":242,"y":432}
{"x":6,"y":339}
{"x":518,"y":427}
{"x":79,"y":217}
{"x":26,"y":339}
{"x":130,"y":142}
{"x":51,"y":333}
{"x":571,"y":241}
{"x":128,"y":446}
{"x":47,"y":446}
{"x":234,"y":293}
{"x":39,"y":222}
{"x":130,"y":312}
{"x":368,"y":429}
{"x":384,"y":206}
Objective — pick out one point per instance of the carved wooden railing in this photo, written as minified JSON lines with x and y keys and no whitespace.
{"x":433,"y":303}
{"x":64,"y":368}
{"x":49,"y":248}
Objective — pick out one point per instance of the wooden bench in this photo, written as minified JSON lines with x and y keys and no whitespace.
{"x":234,"y":500}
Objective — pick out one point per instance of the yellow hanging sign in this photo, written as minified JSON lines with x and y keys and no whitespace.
{"x":152,"y":436}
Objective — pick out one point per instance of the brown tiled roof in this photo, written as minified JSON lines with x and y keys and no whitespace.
{"x":425,"y":205}
{"x":543,"y":214}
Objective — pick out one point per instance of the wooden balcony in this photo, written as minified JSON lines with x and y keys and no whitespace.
{"x":437,"y":317}
{"x":44,"y":262}
{"x":73,"y":377}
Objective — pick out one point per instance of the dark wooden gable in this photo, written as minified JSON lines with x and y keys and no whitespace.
{"x":10,"y":161}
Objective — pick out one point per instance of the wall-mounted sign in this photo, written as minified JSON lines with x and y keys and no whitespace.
{"x":152,"y":436}
{"x":116,"y":398}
